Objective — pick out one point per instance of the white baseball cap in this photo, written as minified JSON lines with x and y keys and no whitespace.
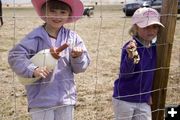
{"x":144,"y":17}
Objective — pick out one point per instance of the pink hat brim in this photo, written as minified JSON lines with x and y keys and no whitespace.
{"x":143,"y":25}
{"x":76,"y":6}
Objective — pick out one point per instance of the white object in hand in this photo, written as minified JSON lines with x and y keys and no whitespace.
{"x":46,"y":57}
{"x":135,"y":55}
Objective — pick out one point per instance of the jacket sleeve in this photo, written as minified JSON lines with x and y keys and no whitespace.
{"x":19,"y":56}
{"x":80,"y":63}
{"x":127,"y":66}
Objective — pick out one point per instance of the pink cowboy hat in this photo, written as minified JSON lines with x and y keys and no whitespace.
{"x":76,"y":6}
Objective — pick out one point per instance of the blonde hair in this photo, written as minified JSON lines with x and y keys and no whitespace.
{"x":133,"y":30}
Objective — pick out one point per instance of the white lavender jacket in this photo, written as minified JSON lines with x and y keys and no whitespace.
{"x":61,"y":89}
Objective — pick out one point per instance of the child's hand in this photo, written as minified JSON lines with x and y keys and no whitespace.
{"x":132,"y":51}
{"x":150,"y":101}
{"x":130,"y":47}
{"x":41,"y":72}
{"x":76,"y":52}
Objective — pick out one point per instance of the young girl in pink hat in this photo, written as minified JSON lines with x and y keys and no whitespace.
{"x":132,"y":89}
{"x":53,"y":95}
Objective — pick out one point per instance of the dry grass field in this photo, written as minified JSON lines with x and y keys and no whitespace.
{"x":104,"y":34}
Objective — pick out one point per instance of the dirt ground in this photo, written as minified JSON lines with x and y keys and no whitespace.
{"x":104,"y":34}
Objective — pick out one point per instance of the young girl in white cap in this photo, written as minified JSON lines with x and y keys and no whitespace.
{"x":53,"y":95}
{"x":132,"y":89}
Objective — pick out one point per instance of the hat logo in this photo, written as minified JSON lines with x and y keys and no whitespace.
{"x":150,"y":13}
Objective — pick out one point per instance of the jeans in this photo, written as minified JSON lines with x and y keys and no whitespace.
{"x":131,"y":111}
{"x":55,"y":113}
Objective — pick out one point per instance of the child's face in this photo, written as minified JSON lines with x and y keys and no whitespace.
{"x":56,"y":17}
{"x":148,"y":33}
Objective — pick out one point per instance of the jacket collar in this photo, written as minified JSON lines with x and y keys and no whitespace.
{"x":41,"y":33}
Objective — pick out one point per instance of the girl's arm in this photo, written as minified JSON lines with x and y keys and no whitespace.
{"x":127,"y":65}
{"x":79,"y":56}
{"x":19,"y":56}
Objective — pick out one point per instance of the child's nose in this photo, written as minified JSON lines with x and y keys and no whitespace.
{"x":152,"y":29}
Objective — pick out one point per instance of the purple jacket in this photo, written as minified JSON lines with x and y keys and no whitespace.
{"x":135,"y":80}
{"x":61,"y":89}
